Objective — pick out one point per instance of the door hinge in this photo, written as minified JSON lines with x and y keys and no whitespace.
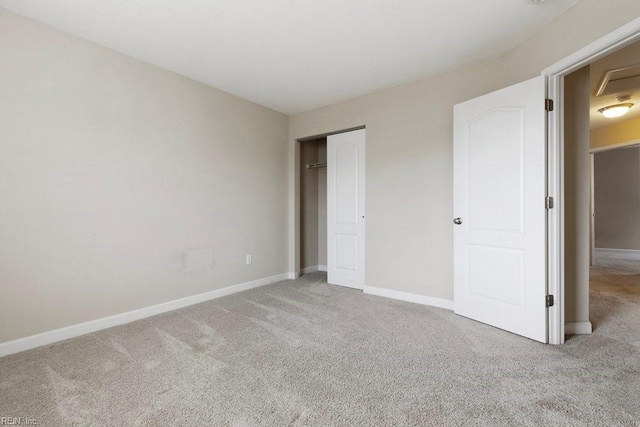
{"x":548,"y":301}
{"x":548,"y":202}
{"x":548,"y":104}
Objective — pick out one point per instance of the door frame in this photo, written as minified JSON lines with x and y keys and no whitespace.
{"x":592,"y":208}
{"x":555,"y":74}
{"x":295,"y":239}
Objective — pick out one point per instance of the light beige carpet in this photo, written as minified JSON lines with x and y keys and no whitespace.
{"x":306,"y":353}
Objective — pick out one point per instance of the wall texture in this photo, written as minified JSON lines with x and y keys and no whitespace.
{"x":112,"y":170}
{"x":577,"y":195}
{"x":313,"y":199}
{"x":626,"y":131}
{"x":617,"y":198}
{"x":409,"y":176}
{"x":309,"y":208}
{"x":409,"y":150}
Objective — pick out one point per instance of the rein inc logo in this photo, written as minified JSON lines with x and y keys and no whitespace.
{"x":18,"y":421}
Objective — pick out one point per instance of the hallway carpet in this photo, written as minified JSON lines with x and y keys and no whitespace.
{"x":306,"y":353}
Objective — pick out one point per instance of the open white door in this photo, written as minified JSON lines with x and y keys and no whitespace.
{"x":499,"y":204}
{"x":345,"y":208}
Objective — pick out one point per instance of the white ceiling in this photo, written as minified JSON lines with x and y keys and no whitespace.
{"x":626,"y":57}
{"x":297,"y":55}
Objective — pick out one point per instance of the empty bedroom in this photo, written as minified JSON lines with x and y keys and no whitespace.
{"x":243,"y":213}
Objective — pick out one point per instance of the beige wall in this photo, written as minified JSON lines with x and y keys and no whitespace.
{"x":577,"y":194}
{"x":617,"y":198}
{"x":584,"y":23}
{"x":409,"y":177}
{"x":111,"y":170}
{"x":409,"y":150}
{"x":622,"y":132}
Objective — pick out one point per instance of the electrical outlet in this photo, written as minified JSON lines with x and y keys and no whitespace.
{"x":249,"y":260}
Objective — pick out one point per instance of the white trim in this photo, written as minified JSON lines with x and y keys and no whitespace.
{"x":600,"y":48}
{"x":555,"y":74}
{"x":626,"y":253}
{"x":404,"y":296}
{"x":625,"y":144}
{"x":592,"y":209}
{"x":292,"y":275}
{"x":50,"y":337}
{"x":578,"y":328}
{"x":555,"y":219}
{"x":313,"y":269}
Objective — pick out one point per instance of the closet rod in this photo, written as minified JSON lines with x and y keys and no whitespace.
{"x":316,"y":165}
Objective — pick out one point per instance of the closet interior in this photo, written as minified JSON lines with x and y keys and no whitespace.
{"x":313,"y":209}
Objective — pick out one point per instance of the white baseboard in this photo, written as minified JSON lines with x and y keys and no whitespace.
{"x":623,"y":253}
{"x":293,"y":275}
{"x":404,"y":296}
{"x":578,"y":328}
{"x":50,"y":337}
{"x":313,"y":269}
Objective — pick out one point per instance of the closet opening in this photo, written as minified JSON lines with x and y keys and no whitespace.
{"x":313,"y":205}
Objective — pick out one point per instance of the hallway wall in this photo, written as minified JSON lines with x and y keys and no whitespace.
{"x":617,"y":198}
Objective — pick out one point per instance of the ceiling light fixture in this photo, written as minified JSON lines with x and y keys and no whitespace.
{"x":618,"y":110}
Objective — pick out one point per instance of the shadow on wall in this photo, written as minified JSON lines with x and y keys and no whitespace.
{"x":313,"y":204}
{"x":617,"y":199}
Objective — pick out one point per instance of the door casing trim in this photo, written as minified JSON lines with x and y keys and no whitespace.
{"x":555,"y":74}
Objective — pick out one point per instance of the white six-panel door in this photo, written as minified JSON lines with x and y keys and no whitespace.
{"x":345,"y":208}
{"x":499,"y":205}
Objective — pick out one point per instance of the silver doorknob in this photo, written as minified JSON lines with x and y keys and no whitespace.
{"x":457,"y":221}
